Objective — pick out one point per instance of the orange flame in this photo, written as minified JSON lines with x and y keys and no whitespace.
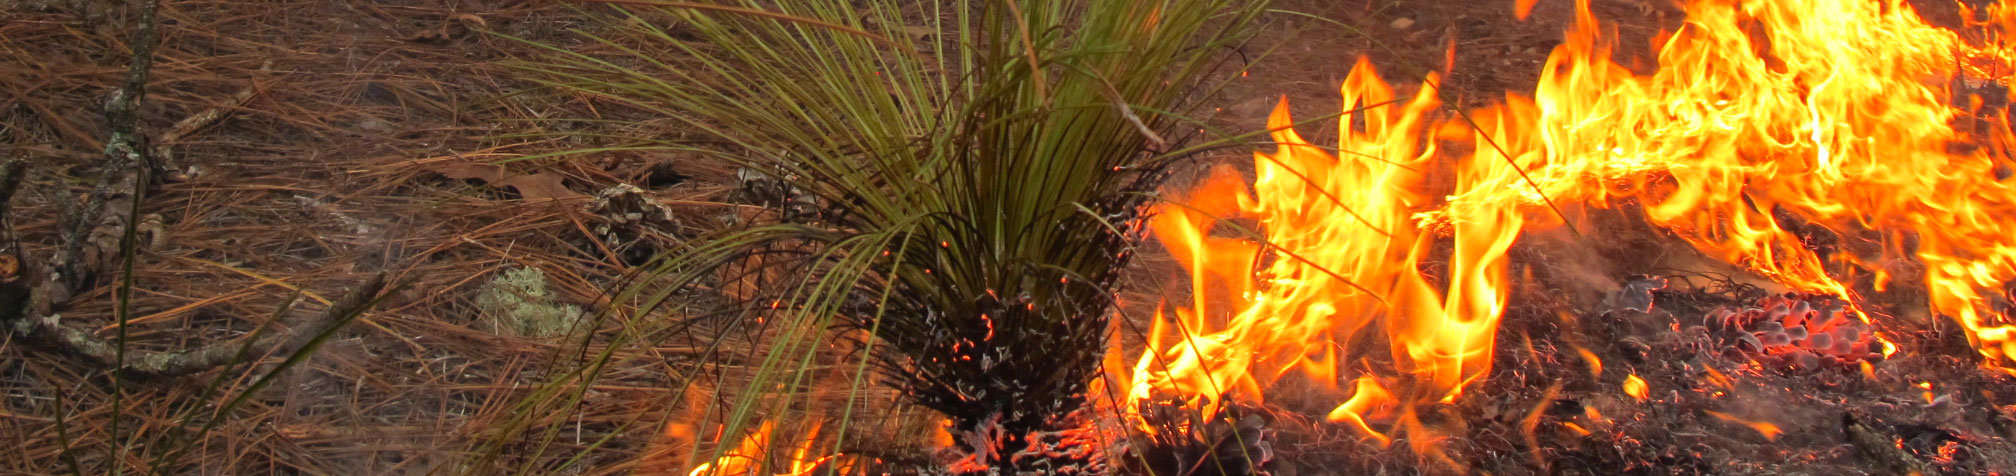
{"x":1369,"y":398}
{"x":1723,"y":141}
{"x":1345,"y":240}
{"x":1769,"y":431}
{"x":1523,"y":8}
{"x":1765,"y":120}
{"x":1595,"y":364}
{"x":751,"y":456}
{"x":1635,"y":387}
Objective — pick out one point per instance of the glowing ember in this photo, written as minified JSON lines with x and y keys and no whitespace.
{"x":1793,"y":331}
{"x":1761,"y":136}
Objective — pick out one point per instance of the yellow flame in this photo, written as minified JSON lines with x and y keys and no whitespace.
{"x":1769,"y":431}
{"x":1345,"y":240}
{"x":1636,"y":387}
{"x":1845,"y":122}
{"x":751,"y":456}
{"x":1764,"y":120}
{"x":1371,"y":399}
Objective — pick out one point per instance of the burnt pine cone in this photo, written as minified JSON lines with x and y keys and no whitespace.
{"x":1806,"y":331}
{"x":1224,"y":445}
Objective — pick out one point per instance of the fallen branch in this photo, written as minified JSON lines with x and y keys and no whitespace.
{"x":93,"y":241}
{"x":51,"y":332}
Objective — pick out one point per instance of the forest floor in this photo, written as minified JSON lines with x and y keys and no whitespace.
{"x":320,"y":142}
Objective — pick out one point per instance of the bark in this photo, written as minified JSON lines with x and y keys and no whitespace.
{"x":94,"y":240}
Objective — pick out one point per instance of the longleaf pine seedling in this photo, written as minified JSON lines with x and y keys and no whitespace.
{"x":979,"y":169}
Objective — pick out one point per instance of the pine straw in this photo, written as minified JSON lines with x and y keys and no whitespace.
{"x":318,"y":178}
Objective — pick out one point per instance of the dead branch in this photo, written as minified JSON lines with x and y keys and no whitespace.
{"x":93,"y":240}
{"x":50,"y":331}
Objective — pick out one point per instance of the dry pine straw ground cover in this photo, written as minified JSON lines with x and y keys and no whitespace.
{"x":322,"y":168}
{"x":334,"y":123}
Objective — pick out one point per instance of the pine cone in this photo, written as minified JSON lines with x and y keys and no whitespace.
{"x":632,"y":223}
{"x":1180,"y":442}
{"x":1804,"y":331}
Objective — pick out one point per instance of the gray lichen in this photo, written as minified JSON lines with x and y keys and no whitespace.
{"x":518,"y":303}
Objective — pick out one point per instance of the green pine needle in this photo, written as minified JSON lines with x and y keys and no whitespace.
{"x":980,"y":170}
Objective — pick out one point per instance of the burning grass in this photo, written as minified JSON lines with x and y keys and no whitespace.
{"x":1761,"y":139}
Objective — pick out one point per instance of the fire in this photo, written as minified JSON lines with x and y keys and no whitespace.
{"x":1769,"y":431}
{"x":1595,"y":364}
{"x":1636,"y":387}
{"x":1768,"y":128}
{"x":751,"y":457}
{"x":1369,"y":398}
{"x":1346,"y":242}
{"x":1722,"y":144}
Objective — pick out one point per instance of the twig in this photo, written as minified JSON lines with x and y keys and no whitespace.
{"x":50,"y":331}
{"x":164,"y":145}
{"x":209,"y":116}
{"x":122,"y":111}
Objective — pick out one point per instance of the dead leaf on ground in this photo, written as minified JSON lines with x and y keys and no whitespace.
{"x":536,"y":186}
{"x":449,"y":27}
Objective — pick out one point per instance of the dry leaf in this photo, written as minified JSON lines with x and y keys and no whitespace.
{"x":468,"y":18}
{"x":449,"y":27}
{"x":538,"y":186}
